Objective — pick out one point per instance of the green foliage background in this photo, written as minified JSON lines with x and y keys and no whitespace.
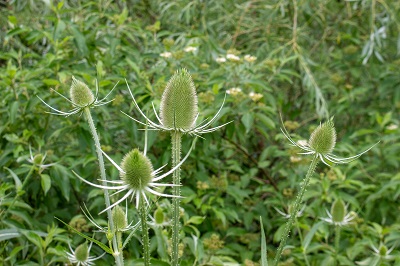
{"x":315,"y":59}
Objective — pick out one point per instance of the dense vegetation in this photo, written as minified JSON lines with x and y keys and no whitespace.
{"x":306,"y":60}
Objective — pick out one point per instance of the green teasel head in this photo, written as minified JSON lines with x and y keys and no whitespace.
{"x":383,"y":250}
{"x":159,"y":216}
{"x":119,"y":218}
{"x":80,"y":93}
{"x":82,"y":252}
{"x":338,"y":211}
{"x":323,"y":138}
{"x":38,"y":159}
{"x":137,"y":170}
{"x":179,"y":108}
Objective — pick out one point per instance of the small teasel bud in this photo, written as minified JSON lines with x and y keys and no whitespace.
{"x":159,"y":216}
{"x":80,"y":93}
{"x":338,"y":211}
{"x":38,"y":159}
{"x":179,"y":102}
{"x":109,"y":235}
{"x":137,"y":170}
{"x":81,"y":252}
{"x":323,"y":138}
{"x":383,"y":250}
{"x":119,"y":218}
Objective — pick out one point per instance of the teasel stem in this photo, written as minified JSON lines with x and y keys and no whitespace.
{"x":296,"y":208}
{"x":145,"y":231}
{"x":176,"y":139}
{"x":119,"y":260}
{"x":337,"y":242}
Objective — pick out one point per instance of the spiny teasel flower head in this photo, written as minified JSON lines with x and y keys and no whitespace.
{"x":321,"y":144}
{"x":81,"y":252}
{"x":81,"y":98}
{"x":137,"y":169}
{"x":338,"y":211}
{"x":38,"y":160}
{"x":80,"y":93}
{"x":81,"y":255}
{"x":323,"y":138}
{"x":137,"y":178}
{"x":339,"y":215}
{"x":178,"y":107}
{"x":119,"y":218}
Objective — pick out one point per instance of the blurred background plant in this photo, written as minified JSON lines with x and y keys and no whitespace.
{"x":306,"y":59}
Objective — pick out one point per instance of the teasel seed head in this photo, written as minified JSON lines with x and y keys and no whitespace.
{"x":80,"y":93}
{"x":323,"y":138}
{"x":137,"y":170}
{"x":338,"y":211}
{"x":179,"y":102}
{"x":81,"y":252}
{"x":119,"y":218}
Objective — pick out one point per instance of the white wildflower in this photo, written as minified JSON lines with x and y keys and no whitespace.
{"x":255,"y":96}
{"x":190,"y":49}
{"x":166,"y":54}
{"x":233,"y":57}
{"x":250,"y":58}
{"x":221,"y":60}
{"x":234,"y":91}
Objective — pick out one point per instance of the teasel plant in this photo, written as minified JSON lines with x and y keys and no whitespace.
{"x":320,"y":145}
{"x":138,"y":178}
{"x":83,"y":100}
{"x":178,"y":115}
{"x":338,"y":216}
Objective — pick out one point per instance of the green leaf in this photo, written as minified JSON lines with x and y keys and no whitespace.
{"x":196,"y":220}
{"x":123,"y":16}
{"x":17,"y":181}
{"x":46,"y":183}
{"x":310,"y":235}
{"x":247,"y":120}
{"x":13,"y":112}
{"x":34,"y":238}
{"x":268,"y":122}
{"x":264,"y":261}
{"x":51,"y":82}
{"x":104,"y":247}
{"x":80,"y":41}
{"x":6,"y":234}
